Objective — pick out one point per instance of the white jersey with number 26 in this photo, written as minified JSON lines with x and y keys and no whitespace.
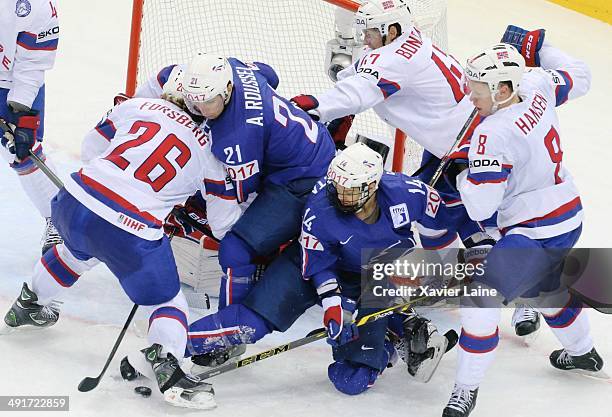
{"x":156,"y":157}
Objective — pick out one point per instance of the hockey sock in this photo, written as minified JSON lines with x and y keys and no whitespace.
{"x":168,"y":325}
{"x":57,"y":269}
{"x":570,"y":325}
{"x":35,"y":183}
{"x":477,"y":344}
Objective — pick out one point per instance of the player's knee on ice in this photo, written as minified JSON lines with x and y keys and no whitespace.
{"x":351,"y":378}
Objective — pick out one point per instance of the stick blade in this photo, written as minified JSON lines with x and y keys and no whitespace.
{"x":88,"y":383}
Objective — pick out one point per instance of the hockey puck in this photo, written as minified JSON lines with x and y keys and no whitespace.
{"x":144,"y":391}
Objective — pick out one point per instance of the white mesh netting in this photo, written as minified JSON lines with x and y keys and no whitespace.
{"x":290,"y":35}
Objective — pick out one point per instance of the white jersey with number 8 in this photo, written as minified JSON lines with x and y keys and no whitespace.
{"x":516,"y":155}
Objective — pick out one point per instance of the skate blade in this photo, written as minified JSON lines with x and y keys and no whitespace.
{"x":599,"y":375}
{"x":199,"y":401}
{"x":4,"y":329}
{"x":530,"y":339}
{"x":428,"y":368}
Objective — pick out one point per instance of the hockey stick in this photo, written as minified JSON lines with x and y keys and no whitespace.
{"x":311,"y":337}
{"x":89,"y":383}
{"x":44,"y":168}
{"x":193,"y":223}
{"x":438,"y":172}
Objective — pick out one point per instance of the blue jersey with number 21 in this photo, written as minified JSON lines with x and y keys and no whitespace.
{"x":263,"y":138}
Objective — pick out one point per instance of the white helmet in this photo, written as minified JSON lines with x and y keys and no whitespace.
{"x":380,"y":14}
{"x":501,"y":62}
{"x":357,"y":166}
{"x":206,"y":77}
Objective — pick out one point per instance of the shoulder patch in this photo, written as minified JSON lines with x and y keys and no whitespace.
{"x":399,"y":215}
{"x":23,"y":8}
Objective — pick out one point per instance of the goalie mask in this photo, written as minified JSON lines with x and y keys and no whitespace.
{"x":381,"y":14}
{"x":501,"y":62}
{"x":206,"y":77}
{"x":350,"y":177}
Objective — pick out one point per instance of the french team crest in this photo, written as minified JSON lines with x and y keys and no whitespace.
{"x":23,"y":8}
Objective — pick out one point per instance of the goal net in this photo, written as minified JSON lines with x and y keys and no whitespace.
{"x":290,"y":35}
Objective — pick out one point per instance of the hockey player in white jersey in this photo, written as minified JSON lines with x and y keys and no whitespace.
{"x":29,"y":34}
{"x":412,"y":85}
{"x":111,"y":211}
{"x":516,"y":168}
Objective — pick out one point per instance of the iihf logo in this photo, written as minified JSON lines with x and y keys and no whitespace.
{"x":23,"y":8}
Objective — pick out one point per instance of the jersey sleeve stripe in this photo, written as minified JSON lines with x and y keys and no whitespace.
{"x":164,"y":74}
{"x":562,"y":91}
{"x":114,"y":200}
{"x":478,"y":178}
{"x":107,"y":129}
{"x":28,"y":41}
{"x":388,"y":87}
{"x":218,"y":189}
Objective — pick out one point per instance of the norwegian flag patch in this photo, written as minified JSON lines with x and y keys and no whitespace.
{"x":387,"y":4}
{"x":502,"y":55}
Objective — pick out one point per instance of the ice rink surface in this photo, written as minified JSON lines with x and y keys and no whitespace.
{"x":90,"y":69}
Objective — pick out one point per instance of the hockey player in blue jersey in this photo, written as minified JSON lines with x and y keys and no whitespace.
{"x":273,"y":152}
{"x":372,"y":210}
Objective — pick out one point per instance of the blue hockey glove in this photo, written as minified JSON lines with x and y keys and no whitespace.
{"x":457,"y":162}
{"x":528,"y":43}
{"x":338,"y":316}
{"x":26,"y":125}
